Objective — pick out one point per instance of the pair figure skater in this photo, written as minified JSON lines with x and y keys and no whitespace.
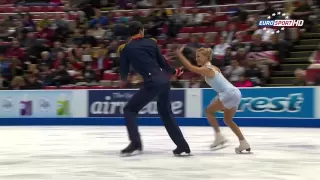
{"x":227,"y":100}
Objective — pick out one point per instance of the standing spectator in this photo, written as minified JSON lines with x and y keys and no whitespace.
{"x":234,"y":71}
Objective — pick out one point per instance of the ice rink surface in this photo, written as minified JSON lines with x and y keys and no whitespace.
{"x":92,"y":153}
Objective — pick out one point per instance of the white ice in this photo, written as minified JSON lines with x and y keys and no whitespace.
{"x":92,"y":153}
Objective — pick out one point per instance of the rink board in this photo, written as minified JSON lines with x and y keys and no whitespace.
{"x":247,"y":122}
{"x":259,"y":107}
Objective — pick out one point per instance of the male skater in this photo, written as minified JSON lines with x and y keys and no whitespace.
{"x":144,"y":56}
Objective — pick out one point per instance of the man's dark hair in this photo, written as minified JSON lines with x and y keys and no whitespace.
{"x":135,"y":27}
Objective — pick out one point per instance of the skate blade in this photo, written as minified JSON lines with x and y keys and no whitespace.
{"x":245,"y":151}
{"x":134,"y":153}
{"x":183,"y":155}
{"x":216,"y":148}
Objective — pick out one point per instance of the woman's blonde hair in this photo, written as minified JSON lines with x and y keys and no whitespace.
{"x":206,"y":52}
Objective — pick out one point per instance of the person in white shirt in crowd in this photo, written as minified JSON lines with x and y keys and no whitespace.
{"x":219,"y":50}
{"x":234,"y":71}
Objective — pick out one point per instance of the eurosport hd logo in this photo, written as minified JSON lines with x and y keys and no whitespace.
{"x":277,"y":22}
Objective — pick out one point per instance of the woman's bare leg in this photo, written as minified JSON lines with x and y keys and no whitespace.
{"x":228,"y":119}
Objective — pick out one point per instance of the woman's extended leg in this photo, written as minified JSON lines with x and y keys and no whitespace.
{"x":228,"y":119}
{"x":215,"y":106}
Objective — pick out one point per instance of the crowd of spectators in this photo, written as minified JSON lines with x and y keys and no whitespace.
{"x":79,"y":46}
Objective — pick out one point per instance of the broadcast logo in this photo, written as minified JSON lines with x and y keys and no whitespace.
{"x":277,"y":22}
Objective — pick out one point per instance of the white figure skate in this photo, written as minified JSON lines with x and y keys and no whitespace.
{"x":219,"y":142}
{"x":244,"y":145}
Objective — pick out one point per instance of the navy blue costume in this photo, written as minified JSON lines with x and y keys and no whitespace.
{"x":145,"y":58}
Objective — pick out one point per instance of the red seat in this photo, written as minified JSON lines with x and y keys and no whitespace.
{"x":164,"y":51}
{"x":8,"y":9}
{"x":182,"y":40}
{"x":35,"y":9}
{"x":161,"y":41}
{"x":247,"y":38}
{"x":57,"y":9}
{"x":110,"y":76}
{"x":80,"y":87}
{"x":187,"y":30}
{"x":222,"y":18}
{"x":66,"y":87}
{"x":97,"y":87}
{"x":50,"y":87}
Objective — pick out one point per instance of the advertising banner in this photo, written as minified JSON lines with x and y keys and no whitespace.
{"x":271,"y":102}
{"x":35,"y":104}
{"x":110,"y":103}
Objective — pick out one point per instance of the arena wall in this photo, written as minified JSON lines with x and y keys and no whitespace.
{"x":261,"y":107}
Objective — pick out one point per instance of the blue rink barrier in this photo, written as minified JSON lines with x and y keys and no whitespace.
{"x":244,"y":122}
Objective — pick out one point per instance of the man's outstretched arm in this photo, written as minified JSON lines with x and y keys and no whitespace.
{"x":163,"y":63}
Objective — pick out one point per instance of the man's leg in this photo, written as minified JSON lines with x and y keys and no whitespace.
{"x":166,"y":114}
{"x":135,"y":104}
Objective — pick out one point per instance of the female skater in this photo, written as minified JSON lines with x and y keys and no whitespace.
{"x":228,"y":98}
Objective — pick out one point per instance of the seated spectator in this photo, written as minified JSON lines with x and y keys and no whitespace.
{"x":28,"y":22}
{"x":98,"y":32}
{"x":45,"y":74}
{"x":244,"y":82}
{"x":101,"y":62}
{"x":61,"y":60}
{"x":234,"y":71}
{"x":89,"y":75}
{"x":301,"y":79}
{"x":57,"y":47}
{"x":99,"y":19}
{"x":241,"y":56}
{"x":32,"y":82}
{"x":254,"y":73}
{"x":20,"y":31}
{"x":44,"y":23}
{"x":47,"y":34}
{"x":315,"y":57}
{"x":15,"y":51}
{"x":268,"y":9}
{"x":241,"y":14}
{"x":17,"y":83}
{"x":61,"y":26}
{"x":175,"y":82}
{"x":196,"y":18}
{"x":230,"y":32}
{"x":194,"y":42}
{"x":194,"y":82}
{"x":208,"y":41}
{"x":257,"y":45}
{"x":227,"y":57}
{"x":273,"y":44}
{"x":45,"y":59}
{"x":210,"y":18}
{"x":61,"y":76}
{"x":219,"y":50}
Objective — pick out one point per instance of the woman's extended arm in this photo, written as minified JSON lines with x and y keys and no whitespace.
{"x":200,"y":70}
